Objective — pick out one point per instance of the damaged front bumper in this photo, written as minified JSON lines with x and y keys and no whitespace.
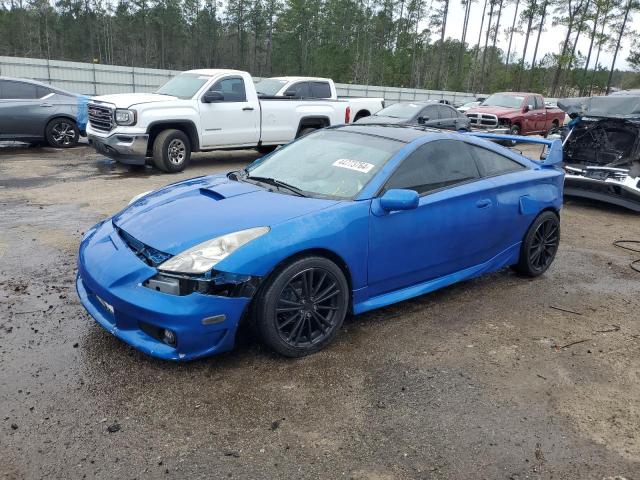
{"x":165,"y":317}
{"x":611,"y":185}
{"x":130,"y":149}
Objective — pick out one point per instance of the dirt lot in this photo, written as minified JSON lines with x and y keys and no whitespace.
{"x":484,"y":379}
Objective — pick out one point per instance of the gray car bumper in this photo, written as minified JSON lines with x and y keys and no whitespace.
{"x":129,"y":149}
{"x":611,"y":185}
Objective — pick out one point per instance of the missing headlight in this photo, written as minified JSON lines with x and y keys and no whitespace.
{"x":217,"y":283}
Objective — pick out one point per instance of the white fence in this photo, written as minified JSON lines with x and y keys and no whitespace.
{"x":96,"y":79}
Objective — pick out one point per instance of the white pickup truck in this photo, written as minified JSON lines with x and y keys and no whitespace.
{"x":201,"y":110}
{"x":316,"y":87}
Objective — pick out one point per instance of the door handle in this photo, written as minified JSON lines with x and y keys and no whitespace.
{"x":247,"y":109}
{"x":46,"y":105}
{"x":484,"y":203}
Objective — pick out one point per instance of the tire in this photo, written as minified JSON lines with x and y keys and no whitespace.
{"x":291,"y":318}
{"x":514,"y":130}
{"x":540,"y":245}
{"x":62,"y":133}
{"x":265,"y":149}
{"x":171,"y":151}
{"x":554,"y":127}
{"x":306,"y":131}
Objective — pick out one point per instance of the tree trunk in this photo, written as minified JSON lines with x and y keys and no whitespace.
{"x":615,"y":52}
{"x":441,"y":56}
{"x":513,"y":26}
{"x":535,"y":50}
{"x":465,"y":26}
{"x":475,"y":60}
{"x":532,"y":9}
{"x":593,"y":36}
{"x":486,"y":44}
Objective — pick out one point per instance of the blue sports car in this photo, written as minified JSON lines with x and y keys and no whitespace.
{"x":346,"y":219}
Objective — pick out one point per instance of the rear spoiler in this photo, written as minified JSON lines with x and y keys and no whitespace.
{"x":553,"y":155}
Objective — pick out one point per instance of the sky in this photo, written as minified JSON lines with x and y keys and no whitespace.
{"x":549,"y":42}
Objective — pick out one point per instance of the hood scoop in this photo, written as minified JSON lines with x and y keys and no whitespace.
{"x":227,"y":189}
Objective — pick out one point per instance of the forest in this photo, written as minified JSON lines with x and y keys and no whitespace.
{"x":403,"y":43}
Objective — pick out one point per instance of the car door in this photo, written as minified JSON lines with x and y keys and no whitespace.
{"x":450,"y":230}
{"x":530,"y":117}
{"x":231,"y":121}
{"x":24,"y":110}
{"x":430,"y":115}
{"x":447,"y":117}
{"x":509,"y":182}
{"x":541,"y":113}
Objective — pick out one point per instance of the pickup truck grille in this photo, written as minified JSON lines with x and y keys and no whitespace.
{"x":100,"y":117}
{"x":483,"y":120}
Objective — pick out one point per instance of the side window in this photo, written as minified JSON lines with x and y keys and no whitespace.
{"x":42,"y":92}
{"x":232,"y":88}
{"x":320,"y":90}
{"x":435,"y":165}
{"x":539,"y":102}
{"x":300,"y":90}
{"x":430,"y":112}
{"x":446,"y":112}
{"x":17,"y":90}
{"x":492,"y":163}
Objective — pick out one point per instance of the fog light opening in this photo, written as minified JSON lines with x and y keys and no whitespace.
{"x":169,"y":337}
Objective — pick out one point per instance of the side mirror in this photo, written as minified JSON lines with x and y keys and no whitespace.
{"x":527,"y":108}
{"x":399,"y":199}
{"x":212,"y":97}
{"x":422,"y":120}
{"x":289,"y":93}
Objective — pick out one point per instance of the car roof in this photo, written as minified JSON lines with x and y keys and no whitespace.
{"x":36,"y":82}
{"x":296,"y":79}
{"x":401,"y":133}
{"x":212,"y":72}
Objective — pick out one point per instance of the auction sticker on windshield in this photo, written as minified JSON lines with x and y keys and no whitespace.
{"x":356,"y":165}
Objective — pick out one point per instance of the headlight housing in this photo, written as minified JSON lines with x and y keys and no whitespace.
{"x":139,"y":196}
{"x":125,"y":116}
{"x":204,"y":256}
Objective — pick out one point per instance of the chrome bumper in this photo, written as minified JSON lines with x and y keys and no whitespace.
{"x":129,"y":149}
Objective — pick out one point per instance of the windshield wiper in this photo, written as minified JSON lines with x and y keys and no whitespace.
{"x":278,"y":184}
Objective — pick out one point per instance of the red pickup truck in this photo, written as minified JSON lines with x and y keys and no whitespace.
{"x":522,"y":113}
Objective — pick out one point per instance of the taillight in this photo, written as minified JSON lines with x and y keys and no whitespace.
{"x":347,"y":115}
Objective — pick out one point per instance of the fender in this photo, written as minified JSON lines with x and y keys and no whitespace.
{"x":191,"y":131}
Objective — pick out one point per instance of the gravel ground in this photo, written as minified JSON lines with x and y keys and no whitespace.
{"x":498,"y":377}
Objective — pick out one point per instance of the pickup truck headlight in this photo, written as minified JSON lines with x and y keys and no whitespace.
{"x":125,"y":117}
{"x":204,"y":256}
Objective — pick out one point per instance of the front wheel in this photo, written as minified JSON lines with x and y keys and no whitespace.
{"x":171,"y":151}
{"x":302,"y":306}
{"x":62,"y":133}
{"x":514,"y":130}
{"x":540,"y":245}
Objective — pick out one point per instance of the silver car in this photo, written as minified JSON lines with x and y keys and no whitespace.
{"x":32,"y":112}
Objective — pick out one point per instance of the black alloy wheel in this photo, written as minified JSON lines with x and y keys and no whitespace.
{"x":62,"y":133}
{"x":540,"y":245}
{"x":302,"y":306}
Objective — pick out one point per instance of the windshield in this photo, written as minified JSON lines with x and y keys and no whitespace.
{"x":184,"y":85}
{"x":328,"y":163}
{"x":269,"y":86}
{"x":502,"y":100}
{"x":400,"y":110}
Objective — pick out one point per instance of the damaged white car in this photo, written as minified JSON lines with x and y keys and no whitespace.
{"x":602,"y":148}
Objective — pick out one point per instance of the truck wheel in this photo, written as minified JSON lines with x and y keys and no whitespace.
{"x":554,"y":127}
{"x":306,"y":131}
{"x":171,"y":151}
{"x":62,"y":133}
{"x":514,"y":130}
{"x":264,"y":149}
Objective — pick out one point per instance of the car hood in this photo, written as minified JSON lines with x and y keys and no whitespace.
{"x":381,"y":119}
{"x":126,"y":100}
{"x":187,"y":213}
{"x":498,"y":111}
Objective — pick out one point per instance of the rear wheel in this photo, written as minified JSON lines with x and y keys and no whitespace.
{"x":171,"y":151}
{"x":306,"y":131}
{"x":62,"y":133}
{"x":540,"y":245}
{"x":302,"y":306}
